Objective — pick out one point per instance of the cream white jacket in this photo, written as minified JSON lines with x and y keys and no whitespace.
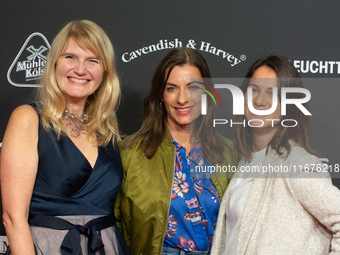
{"x":291,"y":213}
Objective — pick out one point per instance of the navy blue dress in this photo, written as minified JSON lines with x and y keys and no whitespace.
{"x":72,"y":206}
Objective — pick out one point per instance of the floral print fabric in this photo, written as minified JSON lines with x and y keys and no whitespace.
{"x":194,"y":203}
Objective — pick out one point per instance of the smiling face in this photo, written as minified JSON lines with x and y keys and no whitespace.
{"x":181,"y":96}
{"x":262,"y":83}
{"x":78,"y":72}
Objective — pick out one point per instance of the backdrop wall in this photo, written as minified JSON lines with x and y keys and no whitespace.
{"x":306,"y":32}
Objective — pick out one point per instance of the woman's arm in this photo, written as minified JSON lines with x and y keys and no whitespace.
{"x":19,"y":164}
{"x":316,"y":193}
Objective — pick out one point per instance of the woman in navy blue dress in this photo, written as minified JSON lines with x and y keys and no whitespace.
{"x":60,"y":166}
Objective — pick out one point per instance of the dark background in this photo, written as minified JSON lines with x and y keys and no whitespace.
{"x":304,"y":30}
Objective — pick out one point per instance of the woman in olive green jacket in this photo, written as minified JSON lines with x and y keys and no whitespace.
{"x":164,"y":204}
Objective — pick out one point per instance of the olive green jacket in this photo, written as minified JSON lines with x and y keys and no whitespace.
{"x":142,"y":205}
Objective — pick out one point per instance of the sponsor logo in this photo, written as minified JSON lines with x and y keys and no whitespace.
{"x":314,"y":66}
{"x":164,"y":44}
{"x":161,"y":45}
{"x":29,"y":64}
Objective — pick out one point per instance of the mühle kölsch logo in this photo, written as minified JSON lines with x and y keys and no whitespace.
{"x":29,"y":65}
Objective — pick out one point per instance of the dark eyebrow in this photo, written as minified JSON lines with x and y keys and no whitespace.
{"x":254,"y":85}
{"x":195,"y":82}
{"x":172,"y":84}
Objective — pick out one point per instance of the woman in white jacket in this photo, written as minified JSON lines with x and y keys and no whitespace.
{"x":289,"y":205}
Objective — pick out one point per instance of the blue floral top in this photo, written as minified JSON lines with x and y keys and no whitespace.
{"x":194,"y":204}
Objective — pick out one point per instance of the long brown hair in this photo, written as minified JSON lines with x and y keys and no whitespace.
{"x":288,"y":76}
{"x":154,"y":127}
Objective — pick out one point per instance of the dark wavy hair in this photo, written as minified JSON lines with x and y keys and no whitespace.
{"x":153,"y":129}
{"x":288,"y":76}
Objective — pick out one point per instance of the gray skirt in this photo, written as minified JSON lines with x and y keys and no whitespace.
{"x":47,"y":241}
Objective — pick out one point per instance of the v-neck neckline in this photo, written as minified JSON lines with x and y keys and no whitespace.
{"x":95,"y":163}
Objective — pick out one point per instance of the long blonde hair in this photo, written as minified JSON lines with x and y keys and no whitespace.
{"x":101,"y":106}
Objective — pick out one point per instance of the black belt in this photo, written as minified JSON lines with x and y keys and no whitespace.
{"x":71,"y":242}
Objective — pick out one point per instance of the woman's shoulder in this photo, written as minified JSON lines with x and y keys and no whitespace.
{"x":127,"y":152}
{"x":25,"y":114}
{"x":22,"y":128}
{"x":126,"y":146}
{"x":299,"y":158}
{"x":298,"y":151}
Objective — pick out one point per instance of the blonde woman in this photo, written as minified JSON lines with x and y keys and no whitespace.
{"x":60,"y":166}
